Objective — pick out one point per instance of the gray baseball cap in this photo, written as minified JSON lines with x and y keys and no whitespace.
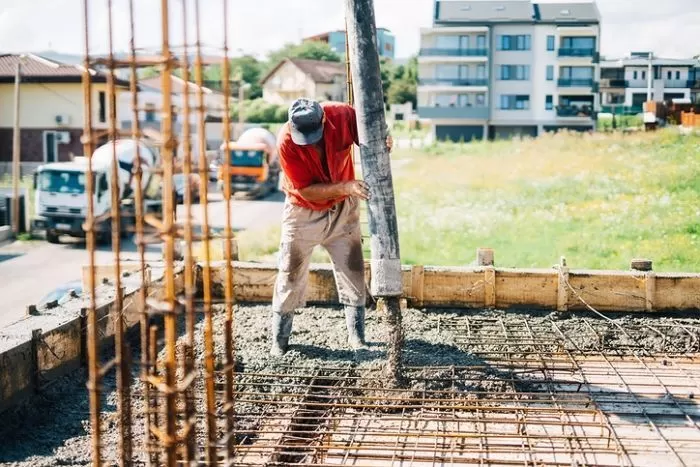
{"x":306,"y":121}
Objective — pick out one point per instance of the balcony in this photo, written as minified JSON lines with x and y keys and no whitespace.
{"x":677,"y":84}
{"x":575,"y":83}
{"x":620,"y":109}
{"x":453,"y":52}
{"x":575,"y":52}
{"x":454,"y":82}
{"x":613,"y":83}
{"x":574,"y":111}
{"x":474,"y":113}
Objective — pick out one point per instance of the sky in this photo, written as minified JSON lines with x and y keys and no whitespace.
{"x":668,"y":27}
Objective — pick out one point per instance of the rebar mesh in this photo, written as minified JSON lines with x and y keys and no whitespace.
{"x":540,"y":392}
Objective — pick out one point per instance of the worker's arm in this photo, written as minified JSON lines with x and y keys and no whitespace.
{"x":300,"y":181}
{"x":326,"y":191}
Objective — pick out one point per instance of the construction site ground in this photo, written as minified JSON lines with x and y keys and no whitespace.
{"x":482,"y":387}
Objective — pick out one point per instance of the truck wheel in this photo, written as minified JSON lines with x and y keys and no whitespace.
{"x":104,"y":238}
{"x":52,"y":237}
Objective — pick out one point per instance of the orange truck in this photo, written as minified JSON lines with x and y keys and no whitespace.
{"x":253,"y":163}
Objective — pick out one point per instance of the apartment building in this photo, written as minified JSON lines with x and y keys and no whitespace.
{"x":628,"y":82}
{"x":504,"y":68}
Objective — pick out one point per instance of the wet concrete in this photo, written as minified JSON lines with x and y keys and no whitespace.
{"x":54,"y":428}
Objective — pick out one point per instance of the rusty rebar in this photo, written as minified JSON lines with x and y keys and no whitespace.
{"x":229,"y":330}
{"x":209,"y":363}
{"x":138,"y":218}
{"x":93,"y":344}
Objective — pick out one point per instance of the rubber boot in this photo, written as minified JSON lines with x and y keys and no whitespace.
{"x":281,"y":326}
{"x":355,"y":321}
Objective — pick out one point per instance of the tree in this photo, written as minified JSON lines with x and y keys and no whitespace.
{"x":310,"y":50}
{"x":246,"y":67}
{"x":387,"y":72}
{"x":250,"y":70}
{"x":402,"y":91}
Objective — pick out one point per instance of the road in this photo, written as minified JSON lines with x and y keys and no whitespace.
{"x":29,"y":271}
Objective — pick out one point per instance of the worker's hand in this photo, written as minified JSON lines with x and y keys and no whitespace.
{"x":357,"y":188}
{"x":389,"y":142}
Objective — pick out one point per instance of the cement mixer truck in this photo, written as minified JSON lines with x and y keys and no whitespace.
{"x":61,"y":190}
{"x":254,"y":166}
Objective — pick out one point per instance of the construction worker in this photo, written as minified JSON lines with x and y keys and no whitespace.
{"x":321,"y":208}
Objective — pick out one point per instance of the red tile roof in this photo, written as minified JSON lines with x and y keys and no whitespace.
{"x":41,"y":70}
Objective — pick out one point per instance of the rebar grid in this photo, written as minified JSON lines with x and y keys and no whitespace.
{"x":547,"y":392}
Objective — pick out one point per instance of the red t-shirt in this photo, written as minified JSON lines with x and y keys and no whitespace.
{"x":302,"y":165}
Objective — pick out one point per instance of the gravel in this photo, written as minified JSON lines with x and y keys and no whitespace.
{"x":53,"y":428}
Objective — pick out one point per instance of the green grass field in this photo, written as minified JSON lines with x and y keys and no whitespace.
{"x":599,"y":200}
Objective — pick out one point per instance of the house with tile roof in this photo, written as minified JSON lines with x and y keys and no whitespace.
{"x":51,"y":109}
{"x":293,"y":78}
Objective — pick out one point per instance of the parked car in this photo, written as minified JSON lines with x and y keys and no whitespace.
{"x":62,"y":293}
{"x":179,"y":182}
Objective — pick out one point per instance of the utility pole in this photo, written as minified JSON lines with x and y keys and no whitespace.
{"x":16,"y":174}
{"x":376,"y":166}
{"x":650,"y":78}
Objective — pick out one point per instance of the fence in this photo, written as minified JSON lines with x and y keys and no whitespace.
{"x":690,"y":119}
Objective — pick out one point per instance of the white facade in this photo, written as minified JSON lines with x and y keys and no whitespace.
{"x":630,"y":82}
{"x":541,"y":73}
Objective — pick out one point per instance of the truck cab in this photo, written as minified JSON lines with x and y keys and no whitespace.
{"x":61,"y":194}
{"x":253,"y":163}
{"x":61,"y":198}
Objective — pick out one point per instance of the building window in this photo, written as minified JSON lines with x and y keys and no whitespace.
{"x":460,"y":100}
{"x":550,"y":72}
{"x":678,"y":75}
{"x":515,"y":102}
{"x":582,"y":43}
{"x":644,"y":75}
{"x":520,"y":42}
{"x":550,"y":43}
{"x":481,"y":41}
{"x":576,"y":72}
{"x":634,"y":75}
{"x":514,"y":72}
{"x":150,"y":115}
{"x":102,"y":107}
{"x":548,"y":102}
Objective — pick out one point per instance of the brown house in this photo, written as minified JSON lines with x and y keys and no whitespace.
{"x":51,"y":110}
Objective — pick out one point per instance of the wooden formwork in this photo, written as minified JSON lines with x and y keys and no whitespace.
{"x":559,"y":288}
{"x":690,"y":119}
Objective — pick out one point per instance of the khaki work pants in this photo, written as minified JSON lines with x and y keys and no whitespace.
{"x":338,"y":231}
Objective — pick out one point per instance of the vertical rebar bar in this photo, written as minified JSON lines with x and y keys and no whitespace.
{"x":228,"y":239}
{"x":168,"y":235}
{"x":206,"y":247}
{"x":188,"y":352}
{"x":122,"y":364}
{"x":93,"y":344}
{"x":138,"y":226}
